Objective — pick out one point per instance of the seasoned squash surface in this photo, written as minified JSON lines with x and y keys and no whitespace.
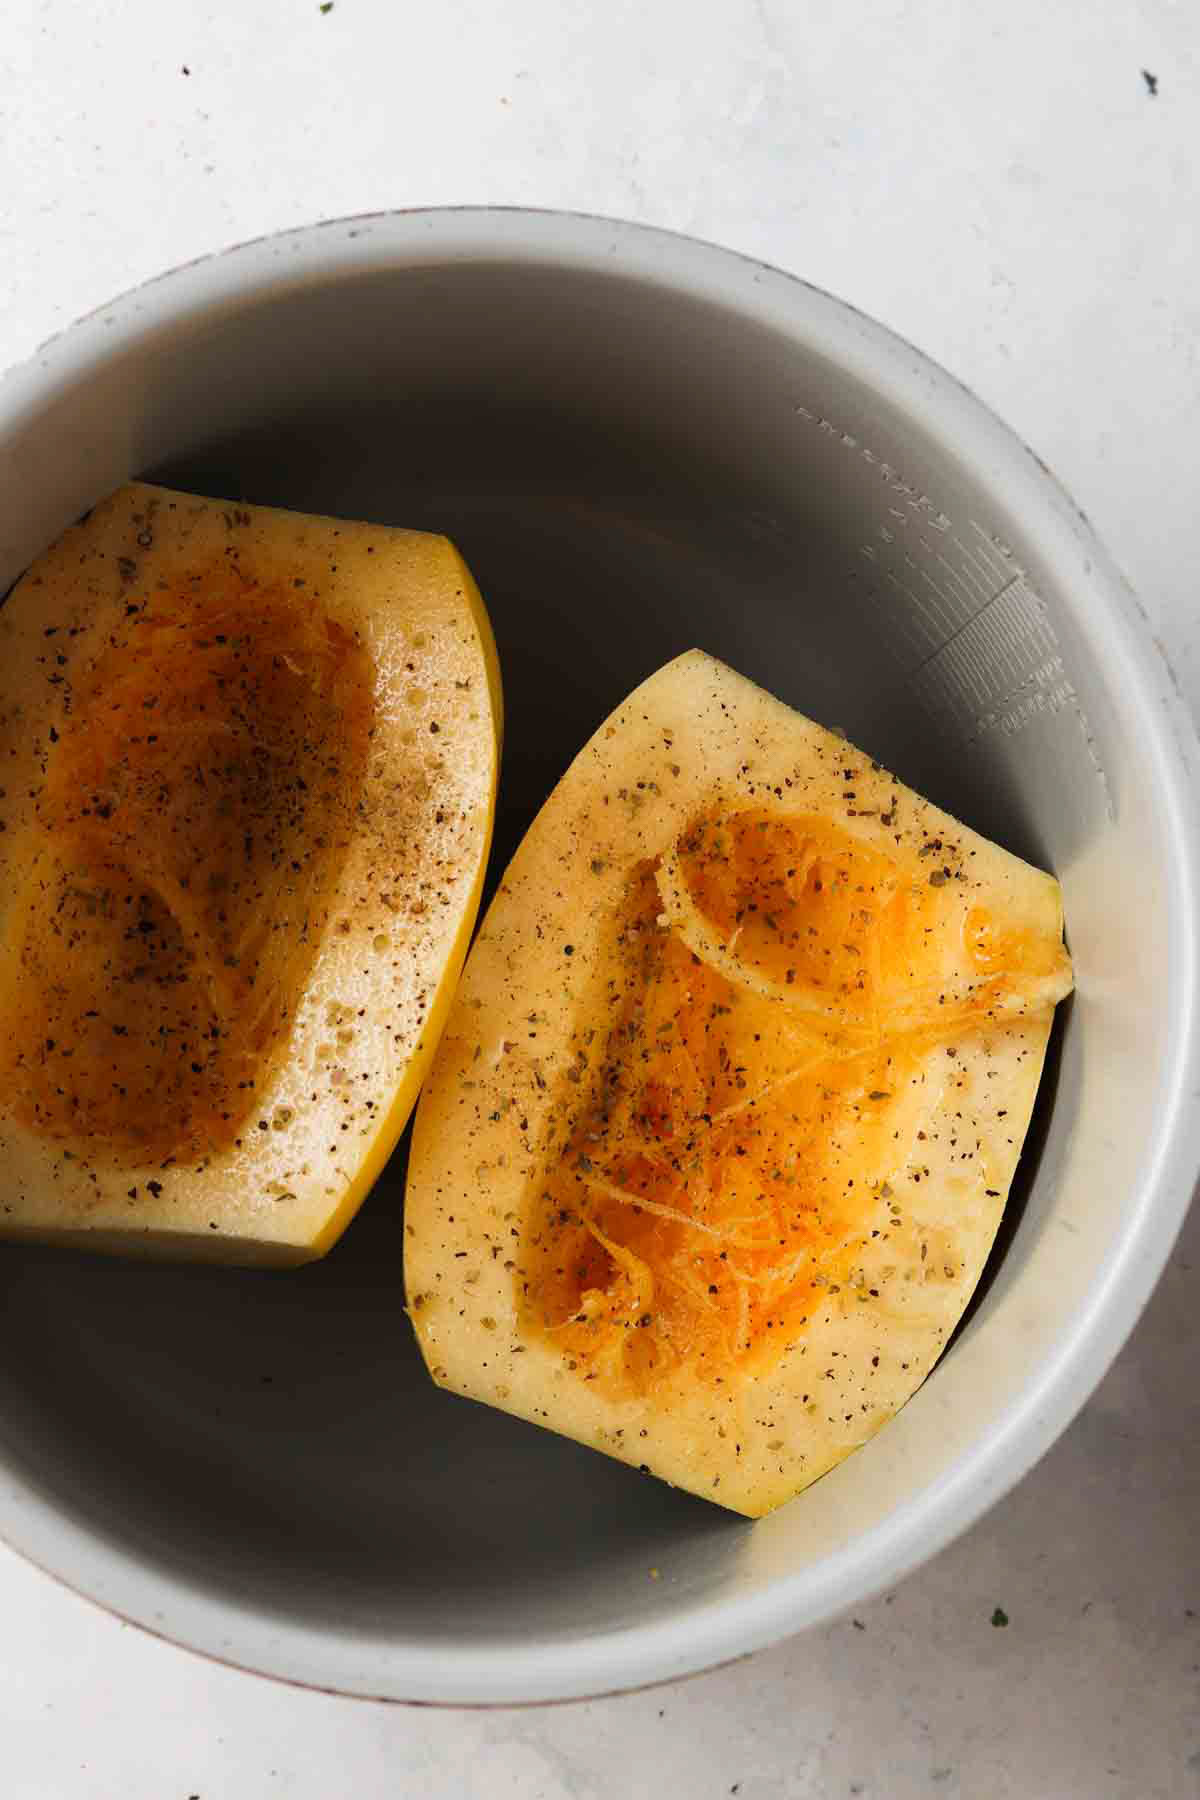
{"x":733,"y":1091}
{"x":251,"y":763}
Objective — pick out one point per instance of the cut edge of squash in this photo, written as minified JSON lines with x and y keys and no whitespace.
{"x":405,"y":1098}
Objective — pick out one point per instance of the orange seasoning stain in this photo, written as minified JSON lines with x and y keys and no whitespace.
{"x":716,"y":1185}
{"x":196,"y":811}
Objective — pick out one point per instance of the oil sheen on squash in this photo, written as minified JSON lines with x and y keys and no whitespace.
{"x":197,"y":807}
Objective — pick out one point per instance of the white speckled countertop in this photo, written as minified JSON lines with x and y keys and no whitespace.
{"x":1014,"y":186}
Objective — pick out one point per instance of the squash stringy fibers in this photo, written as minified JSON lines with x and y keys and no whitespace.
{"x":782,"y":995}
{"x":195,"y":812}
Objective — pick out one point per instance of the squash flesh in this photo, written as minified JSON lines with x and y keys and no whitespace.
{"x":196,"y":811}
{"x":300,"y":850}
{"x":717,"y":1185}
{"x":722,"y":1125}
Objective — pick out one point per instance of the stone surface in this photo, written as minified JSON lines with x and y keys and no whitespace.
{"x":999,"y":183}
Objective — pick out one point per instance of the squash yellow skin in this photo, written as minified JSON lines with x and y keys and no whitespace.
{"x":342,"y":1084}
{"x":523,"y":1049}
